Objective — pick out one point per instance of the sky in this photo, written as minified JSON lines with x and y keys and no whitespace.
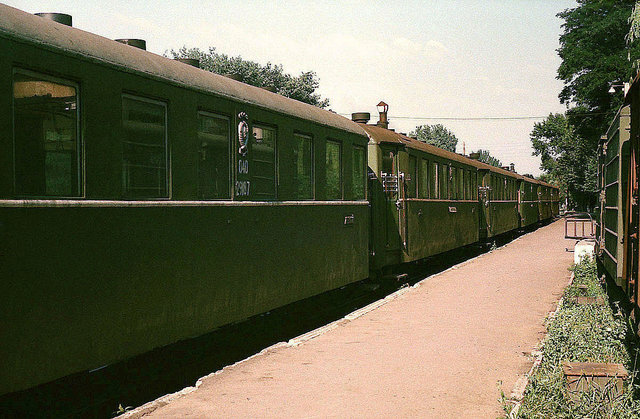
{"x":429,"y":60}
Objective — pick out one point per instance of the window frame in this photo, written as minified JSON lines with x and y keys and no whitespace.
{"x":80,"y":152}
{"x":424,"y":184}
{"x":313,"y":165}
{"x":168,"y":174}
{"x":210,"y":114}
{"x":276,"y":160}
{"x":364,"y":169}
{"x":341,"y":168}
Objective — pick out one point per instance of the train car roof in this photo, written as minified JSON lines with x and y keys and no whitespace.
{"x":381,"y":135}
{"x":24,"y":26}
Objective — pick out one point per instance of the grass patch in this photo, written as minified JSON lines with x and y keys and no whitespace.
{"x":582,"y":333}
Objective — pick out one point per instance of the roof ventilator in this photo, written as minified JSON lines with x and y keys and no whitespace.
{"x":57,"y":17}
{"x":234,"y":76}
{"x":194,"y":62}
{"x":361,"y":117}
{"x":138,"y":43}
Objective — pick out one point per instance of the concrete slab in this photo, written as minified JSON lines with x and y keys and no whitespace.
{"x":441,"y":349}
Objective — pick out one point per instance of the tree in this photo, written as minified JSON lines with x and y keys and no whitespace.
{"x":567,"y":159}
{"x":595,"y":54}
{"x":634,"y":21}
{"x":436,"y":135}
{"x":485,"y":157}
{"x":596,"y":49}
{"x":301,"y":88}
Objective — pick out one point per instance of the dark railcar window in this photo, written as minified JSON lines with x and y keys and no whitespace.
{"x":453,"y":183}
{"x":435,"y":183}
{"x":333,"y":164}
{"x":144,"y":154}
{"x":47,"y":151}
{"x":359,"y":166}
{"x":423,"y":191}
{"x":413,"y":177}
{"x":213,"y":162}
{"x":303,"y":166}
{"x":467,"y":185}
{"x":263,"y":173}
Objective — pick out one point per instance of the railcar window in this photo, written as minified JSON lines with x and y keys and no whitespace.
{"x":460,"y":183}
{"x":444,"y":181}
{"x":474,"y":175}
{"x":303,"y":166}
{"x":213,"y":163}
{"x":263,"y":172}
{"x":505,"y":190}
{"x":144,"y":155}
{"x":359,"y":179}
{"x":423,"y":191}
{"x":453,"y":183}
{"x":47,"y":150}
{"x":413,"y":177}
{"x":435,"y":188}
{"x":467,"y":185}
{"x":494,"y":188}
{"x":333,"y":164}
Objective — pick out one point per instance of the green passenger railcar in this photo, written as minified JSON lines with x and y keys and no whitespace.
{"x":424,"y":199}
{"x":498,"y":201}
{"x":613,"y":175}
{"x":528,"y":202}
{"x":144,"y":201}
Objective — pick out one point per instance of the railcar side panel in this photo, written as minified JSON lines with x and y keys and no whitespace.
{"x":86,"y":286}
{"x":439,"y":226}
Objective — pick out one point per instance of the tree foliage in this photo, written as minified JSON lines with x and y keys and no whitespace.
{"x":485,"y":157}
{"x":596,"y":49}
{"x":634,"y":21}
{"x":594,"y":54}
{"x":301,"y":87}
{"x":567,"y":158}
{"x":436,"y":135}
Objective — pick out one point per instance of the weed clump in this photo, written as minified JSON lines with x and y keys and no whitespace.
{"x":582,"y":333}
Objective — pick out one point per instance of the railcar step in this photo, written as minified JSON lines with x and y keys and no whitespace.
{"x":396,"y":277}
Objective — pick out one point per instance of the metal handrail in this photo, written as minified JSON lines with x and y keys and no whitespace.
{"x":583,"y":219}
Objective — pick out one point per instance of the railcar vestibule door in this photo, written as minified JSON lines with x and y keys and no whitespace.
{"x":484,"y":197}
{"x":393,"y":190}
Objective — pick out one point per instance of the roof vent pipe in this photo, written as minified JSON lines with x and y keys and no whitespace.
{"x":512,"y":167}
{"x":138,"y":43}
{"x":234,"y":76}
{"x":194,"y":62}
{"x":361,"y":117}
{"x":383,"y":110}
{"x":57,"y":17}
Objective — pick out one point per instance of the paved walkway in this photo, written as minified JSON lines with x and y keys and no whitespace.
{"x":438,"y":350}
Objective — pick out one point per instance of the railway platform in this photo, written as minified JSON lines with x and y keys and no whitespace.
{"x":445,"y":347}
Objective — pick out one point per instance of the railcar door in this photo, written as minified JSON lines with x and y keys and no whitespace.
{"x":484,"y":197}
{"x":631,"y":248}
{"x":392,"y":184}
